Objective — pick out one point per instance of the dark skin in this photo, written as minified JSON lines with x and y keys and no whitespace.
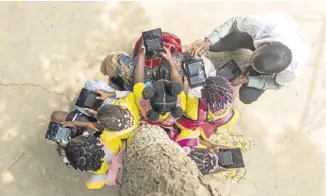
{"x":103,"y":96}
{"x":88,"y":125}
{"x":215,"y":148}
{"x":240,"y":80}
{"x":199,"y":49}
{"x":140,"y":62}
{"x":139,"y":67}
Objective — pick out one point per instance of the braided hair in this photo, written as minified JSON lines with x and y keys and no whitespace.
{"x":114,"y":117}
{"x":206,"y":160}
{"x":218,"y":93}
{"x":84,"y":153}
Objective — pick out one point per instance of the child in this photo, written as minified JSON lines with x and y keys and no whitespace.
{"x":109,"y":95}
{"x":207,"y":160}
{"x":99,"y":157}
{"x":116,"y":123}
{"x":117,"y":119}
{"x":119,"y":66}
{"x":164,"y":102}
{"x":205,"y":115}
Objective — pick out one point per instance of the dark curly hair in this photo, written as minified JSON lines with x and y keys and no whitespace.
{"x":218,"y":93}
{"x":84,"y":153}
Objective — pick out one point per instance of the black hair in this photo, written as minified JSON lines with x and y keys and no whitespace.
{"x":114,"y":117}
{"x":218,"y":93}
{"x":163,"y":96}
{"x":272,"y":58}
{"x":83,"y":153}
{"x":206,"y":160}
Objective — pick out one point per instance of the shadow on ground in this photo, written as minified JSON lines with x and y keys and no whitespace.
{"x":50,"y":81}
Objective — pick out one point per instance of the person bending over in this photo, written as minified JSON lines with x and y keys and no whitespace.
{"x":279,"y":53}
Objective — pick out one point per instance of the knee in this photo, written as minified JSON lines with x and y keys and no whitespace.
{"x":247,"y":99}
{"x":58,"y":116}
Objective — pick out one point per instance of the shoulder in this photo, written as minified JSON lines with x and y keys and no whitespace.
{"x":138,"y":89}
{"x":192,"y":107}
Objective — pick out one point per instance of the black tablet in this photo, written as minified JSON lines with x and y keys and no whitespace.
{"x":88,"y":99}
{"x":153,"y":42}
{"x":59,"y":134}
{"x":230,"y":70}
{"x":194,"y":69}
{"x":230,"y":158}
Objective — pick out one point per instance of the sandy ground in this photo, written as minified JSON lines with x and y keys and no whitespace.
{"x":48,"y":50}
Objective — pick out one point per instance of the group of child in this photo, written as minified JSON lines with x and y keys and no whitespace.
{"x":151,"y":91}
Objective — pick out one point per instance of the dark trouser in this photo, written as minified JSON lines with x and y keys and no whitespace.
{"x":233,"y":41}
{"x":247,"y":95}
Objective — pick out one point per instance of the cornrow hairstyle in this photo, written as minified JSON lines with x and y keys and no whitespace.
{"x":114,"y":117}
{"x":218,"y":93}
{"x":84,"y":153}
{"x":206,"y":160}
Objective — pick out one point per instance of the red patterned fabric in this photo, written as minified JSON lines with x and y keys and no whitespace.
{"x":172,"y":42}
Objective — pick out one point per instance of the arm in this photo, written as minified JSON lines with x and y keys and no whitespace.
{"x":116,"y":94}
{"x":112,"y":179}
{"x":248,"y":24}
{"x":139,"y":68}
{"x":174,"y":73}
{"x":264,"y":82}
{"x":185,"y":85}
{"x":88,"y":125}
{"x":211,"y":145}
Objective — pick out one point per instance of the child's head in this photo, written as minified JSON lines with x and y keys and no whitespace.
{"x":84,"y":153}
{"x":218,"y":93}
{"x":114,"y":117}
{"x":109,"y":68}
{"x":271,"y":58}
{"x":163,"y":96}
{"x":206,"y":160}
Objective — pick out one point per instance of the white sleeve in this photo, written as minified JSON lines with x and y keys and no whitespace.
{"x":248,"y":24}
{"x":209,"y":67}
{"x":121,"y":94}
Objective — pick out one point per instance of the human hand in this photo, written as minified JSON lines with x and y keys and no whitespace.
{"x":141,"y":51}
{"x":240,"y":80}
{"x":104,"y":95}
{"x":91,"y":112}
{"x":167,"y":55}
{"x":199,"y":48}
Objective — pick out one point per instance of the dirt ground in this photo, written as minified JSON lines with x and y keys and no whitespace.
{"x":48,"y":50}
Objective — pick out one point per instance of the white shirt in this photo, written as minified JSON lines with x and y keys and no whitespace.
{"x":267,"y":28}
